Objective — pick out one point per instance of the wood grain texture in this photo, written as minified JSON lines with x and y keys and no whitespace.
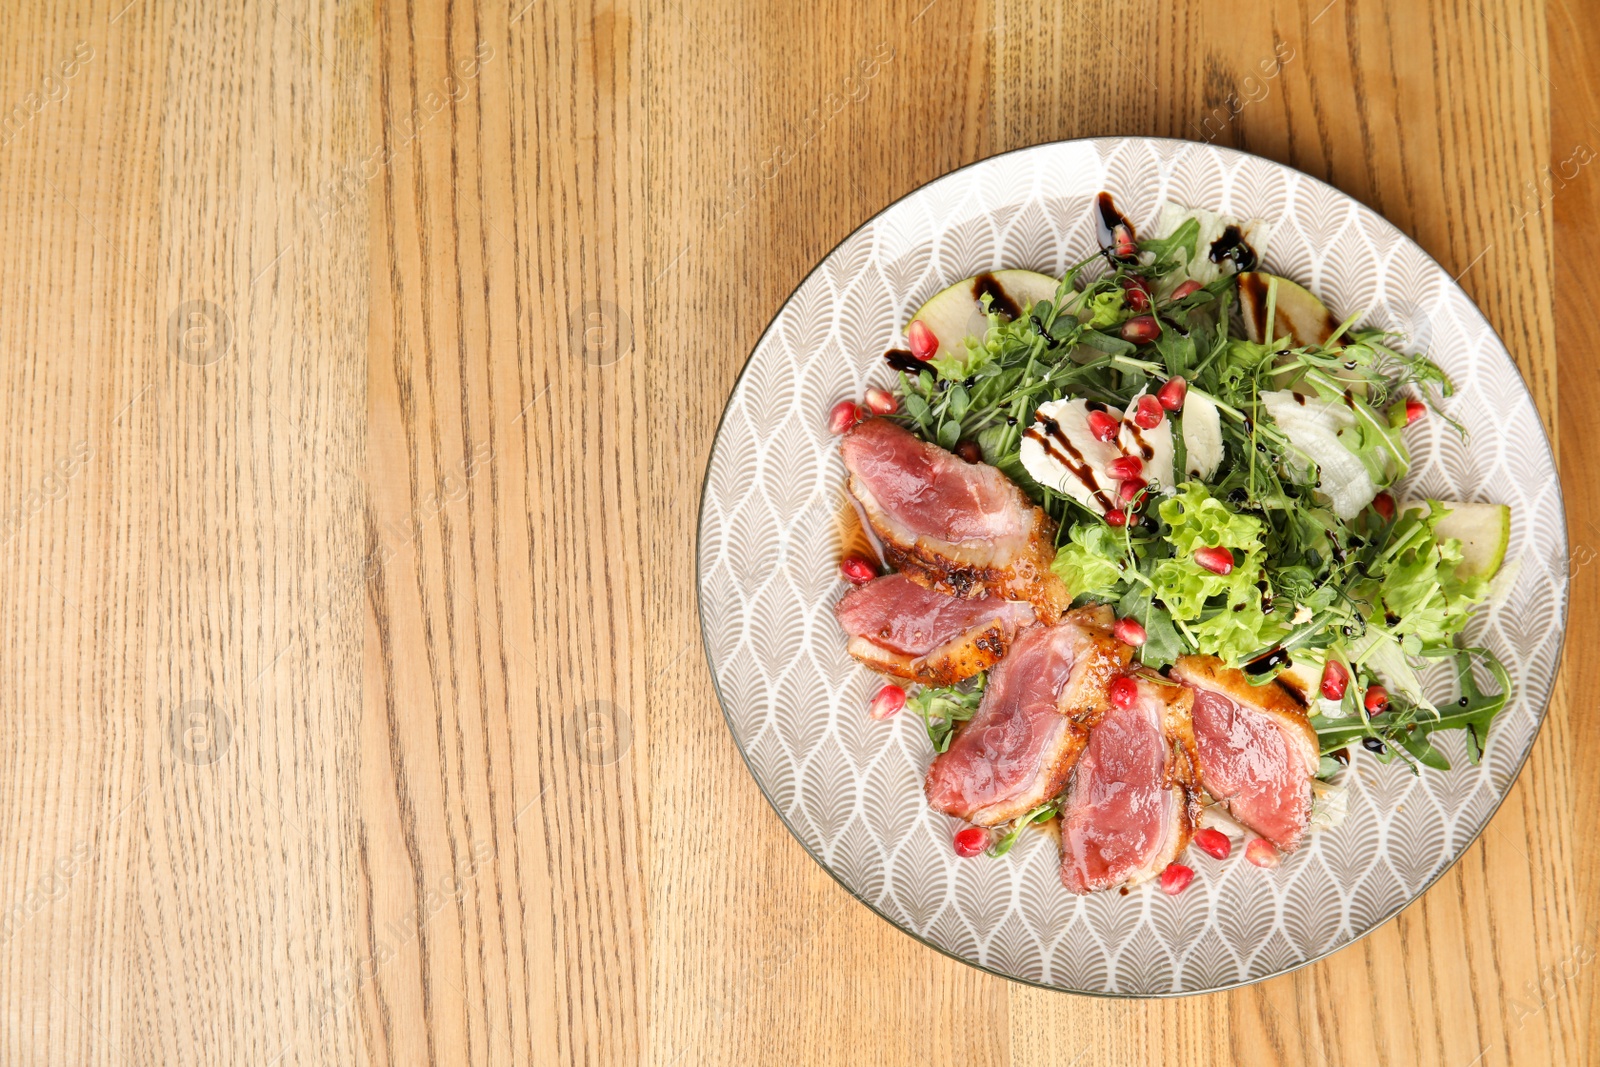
{"x":358,"y":370}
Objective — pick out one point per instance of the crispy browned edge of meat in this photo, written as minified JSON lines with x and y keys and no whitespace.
{"x":1083,"y":701}
{"x":1270,"y":699}
{"x":1183,"y":770}
{"x":1029,"y":578}
{"x":955,"y":660}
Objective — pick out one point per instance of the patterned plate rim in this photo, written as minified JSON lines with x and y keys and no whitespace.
{"x":722,"y":703}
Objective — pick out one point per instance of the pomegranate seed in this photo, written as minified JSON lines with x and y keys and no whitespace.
{"x":1116,"y":517}
{"x":1141,"y":329}
{"x":1262,"y":853}
{"x":1213,"y":842}
{"x":1216,"y":560}
{"x":1124,"y":691}
{"x":1172,"y":394}
{"x":969,"y":451}
{"x":1136,"y":292}
{"x":844,"y":415}
{"x":1124,"y":467}
{"x":1130,"y":489}
{"x":1176,"y":878}
{"x":1128,"y":631}
{"x":1376,"y":700}
{"x":1148,"y":413}
{"x":1103,"y":426}
{"x":971,"y":841}
{"x":880,"y":402}
{"x":1122,"y":241}
{"x":1188,"y":288}
{"x":924,"y":345}
{"x":857,"y":570}
{"x":1383,"y":504}
{"x":1334,"y":679}
{"x":890,"y":699}
{"x":1415,"y":409}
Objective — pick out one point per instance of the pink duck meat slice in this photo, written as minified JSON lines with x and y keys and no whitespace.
{"x":957,"y":527}
{"x":1258,"y":752}
{"x":898,"y":627}
{"x":1134,"y":798}
{"x":1020,"y":745}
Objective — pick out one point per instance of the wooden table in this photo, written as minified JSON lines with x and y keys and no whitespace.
{"x":360,"y":367}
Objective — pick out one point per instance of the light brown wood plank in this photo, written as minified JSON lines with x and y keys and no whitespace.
{"x":423,"y":534}
{"x":501,"y":837}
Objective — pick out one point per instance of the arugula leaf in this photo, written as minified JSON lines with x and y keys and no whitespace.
{"x":943,"y":708}
{"x":1042,"y":813}
{"x":1407,"y":727}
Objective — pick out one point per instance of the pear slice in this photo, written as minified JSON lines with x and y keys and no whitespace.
{"x":954,"y":313}
{"x":1298,"y":314}
{"x":1484,"y":531}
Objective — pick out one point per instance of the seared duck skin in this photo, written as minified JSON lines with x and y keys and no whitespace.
{"x":957,"y":527}
{"x":1135,"y":793}
{"x":901,"y":628}
{"x":1258,"y":751}
{"x":1020,"y":746}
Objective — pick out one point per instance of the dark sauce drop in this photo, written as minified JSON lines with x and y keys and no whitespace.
{"x":1108,"y":219}
{"x":1267,"y":661}
{"x":1060,"y":448}
{"x":902,"y":359}
{"x":1038,"y":327}
{"x":1232,"y":245}
{"x":1000,"y":302}
{"x":1341,"y":756}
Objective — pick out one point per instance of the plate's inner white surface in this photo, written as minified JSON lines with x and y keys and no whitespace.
{"x":850,"y":788}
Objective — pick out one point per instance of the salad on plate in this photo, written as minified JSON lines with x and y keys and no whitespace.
{"x":1143,"y":561}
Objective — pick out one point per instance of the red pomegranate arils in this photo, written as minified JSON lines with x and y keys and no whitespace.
{"x":1103,"y":426}
{"x":971,"y":841}
{"x":1116,"y":517}
{"x":970,"y":451}
{"x":1213,"y":842}
{"x":1376,"y":700}
{"x":924,"y":345}
{"x":1141,"y":329}
{"x":1123,"y":691}
{"x":1383,"y":504}
{"x":1176,"y":878}
{"x":1262,"y":853}
{"x":881,"y":402}
{"x":1136,"y":292}
{"x":1129,"y":632}
{"x":1415,"y":409}
{"x":1124,"y":467}
{"x":844,"y":415}
{"x":1187,"y":289}
{"x":857,"y":570}
{"x":1334,"y":680}
{"x":890,"y":699}
{"x":1149,"y":413}
{"x":1171,"y":395}
{"x":1130,"y":489}
{"x":1216,"y":560}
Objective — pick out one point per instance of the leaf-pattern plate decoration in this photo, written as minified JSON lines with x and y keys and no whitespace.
{"x":850,"y":789}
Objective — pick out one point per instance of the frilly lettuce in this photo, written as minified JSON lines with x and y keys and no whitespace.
{"x":1222,"y":613}
{"x":1092,"y":561}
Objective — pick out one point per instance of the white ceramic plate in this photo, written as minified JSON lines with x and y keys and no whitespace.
{"x":850,"y":789}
